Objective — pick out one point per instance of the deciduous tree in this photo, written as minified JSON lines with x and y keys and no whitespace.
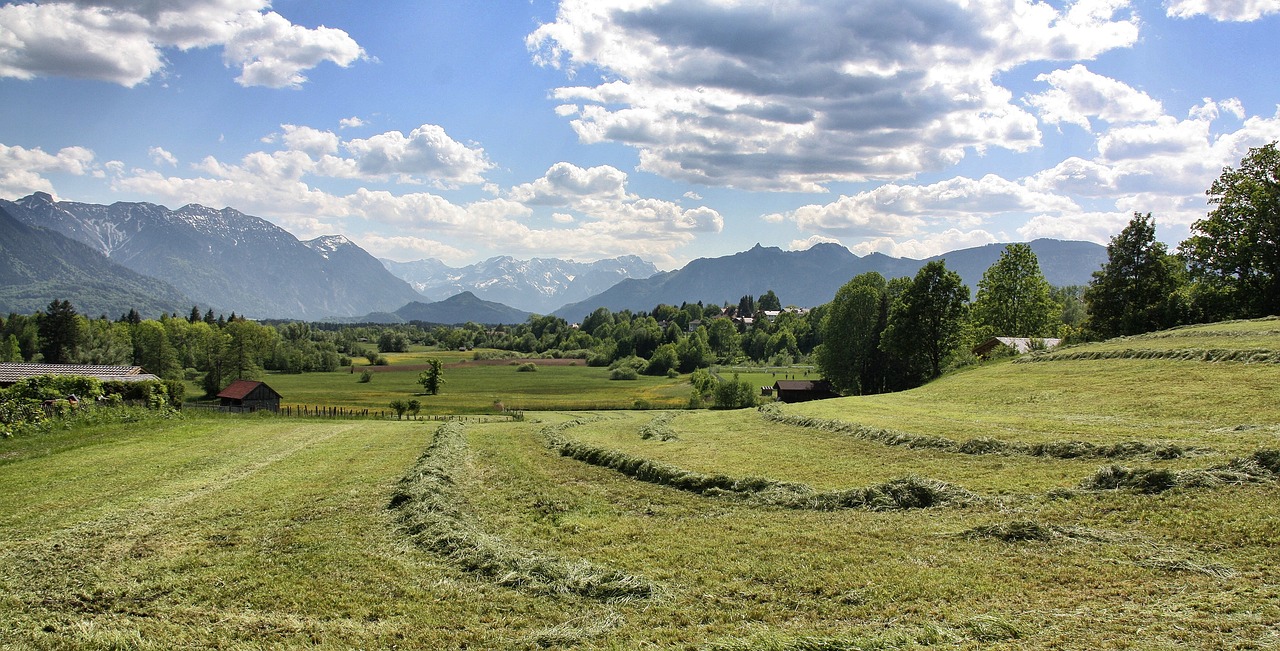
{"x":1135,"y":291}
{"x":1013,"y":297}
{"x":926,"y":321}
{"x":1235,"y":251}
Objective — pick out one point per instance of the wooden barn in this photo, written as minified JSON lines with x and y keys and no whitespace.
{"x":802,"y":390}
{"x":250,"y":395}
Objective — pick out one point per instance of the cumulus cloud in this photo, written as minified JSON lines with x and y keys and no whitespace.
{"x":792,"y":97}
{"x":123,"y":41}
{"x":160,"y":156}
{"x":1078,"y":95}
{"x":22,"y":170}
{"x":350,"y":123}
{"x":426,"y":151}
{"x":926,"y":246}
{"x":597,"y":217}
{"x":1222,"y":10}
{"x":897,"y":210}
{"x":809,"y":242}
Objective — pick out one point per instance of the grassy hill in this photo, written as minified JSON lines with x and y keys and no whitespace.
{"x":1072,"y":502}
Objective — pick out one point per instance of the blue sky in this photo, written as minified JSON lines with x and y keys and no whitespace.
{"x":589,"y":129}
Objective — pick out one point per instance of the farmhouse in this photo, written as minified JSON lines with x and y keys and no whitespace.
{"x":250,"y":395}
{"x":11,"y":373}
{"x":1020,"y":345}
{"x":802,"y":390}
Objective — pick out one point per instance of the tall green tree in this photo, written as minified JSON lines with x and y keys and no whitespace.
{"x":1136,"y":290}
{"x":59,"y":330}
{"x":849,"y":356}
{"x":432,"y":378}
{"x":1014,"y":299}
{"x":1235,"y":251}
{"x":927,"y":320}
{"x":769,"y":301}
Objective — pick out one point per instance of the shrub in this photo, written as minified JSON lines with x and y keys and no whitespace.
{"x":528,"y":367}
{"x":365,"y":375}
{"x":624,"y":373}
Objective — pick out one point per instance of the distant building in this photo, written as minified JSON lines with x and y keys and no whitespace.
{"x":11,"y":373}
{"x":250,"y":395}
{"x":803,"y":390}
{"x":1020,"y":345}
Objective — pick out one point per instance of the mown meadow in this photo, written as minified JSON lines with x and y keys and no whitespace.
{"x":1082,"y":499}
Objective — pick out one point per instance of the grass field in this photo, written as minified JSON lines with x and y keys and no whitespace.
{"x":473,"y":387}
{"x":264,"y":532}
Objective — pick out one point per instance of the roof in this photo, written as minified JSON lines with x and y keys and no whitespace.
{"x":801,"y":385}
{"x":13,"y":372}
{"x":240,"y":389}
{"x":1022,"y":345}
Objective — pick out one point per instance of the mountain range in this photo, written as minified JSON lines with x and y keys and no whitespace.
{"x":811,"y":277}
{"x":106,"y":259}
{"x":225,"y":258}
{"x":38,"y":265}
{"x":539,"y":285}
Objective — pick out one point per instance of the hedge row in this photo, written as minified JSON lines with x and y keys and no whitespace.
{"x":432,"y":511}
{"x":904,"y":493}
{"x":1053,"y":449}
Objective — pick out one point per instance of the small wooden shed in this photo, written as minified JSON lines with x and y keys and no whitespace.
{"x":802,"y":390}
{"x":250,"y":395}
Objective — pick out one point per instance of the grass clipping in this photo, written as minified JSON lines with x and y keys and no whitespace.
{"x":431,"y":510}
{"x":1261,"y":466}
{"x":898,"y":494}
{"x":1050,"y":449}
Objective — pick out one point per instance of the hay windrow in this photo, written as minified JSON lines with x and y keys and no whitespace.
{"x":1263,"y":466}
{"x":1052,"y":449}
{"x":904,"y":493}
{"x":1241,"y":356}
{"x":660,"y":427}
{"x":432,"y":511}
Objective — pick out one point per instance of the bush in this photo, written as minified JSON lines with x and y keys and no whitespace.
{"x":529,"y":367}
{"x":734,"y":394}
{"x":365,"y":376}
{"x":624,"y":373}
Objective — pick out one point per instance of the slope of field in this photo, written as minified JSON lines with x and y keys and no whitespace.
{"x":991,"y":509}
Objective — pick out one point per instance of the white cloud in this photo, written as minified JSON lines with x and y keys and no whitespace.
{"x":350,"y":123}
{"x":311,"y":141}
{"x":426,"y":151}
{"x":809,"y":242}
{"x":927,"y":246}
{"x":160,"y":156}
{"x":22,"y":170}
{"x":407,"y":247}
{"x":897,"y":210}
{"x":1078,"y":95}
{"x":1222,"y":10}
{"x":123,"y":41}
{"x":567,"y":184}
{"x":798,"y":95}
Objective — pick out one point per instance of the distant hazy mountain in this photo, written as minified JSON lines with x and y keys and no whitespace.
{"x":810,"y":278}
{"x":38,"y":266}
{"x":462,"y":308}
{"x":226,"y":258}
{"x":539,"y":285}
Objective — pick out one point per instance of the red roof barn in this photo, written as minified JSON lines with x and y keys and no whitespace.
{"x":250,"y":395}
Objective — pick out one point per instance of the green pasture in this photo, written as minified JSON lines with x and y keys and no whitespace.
{"x":472,"y":387}
{"x":250,"y":532}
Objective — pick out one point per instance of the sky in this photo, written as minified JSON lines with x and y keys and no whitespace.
{"x":673,"y":130}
